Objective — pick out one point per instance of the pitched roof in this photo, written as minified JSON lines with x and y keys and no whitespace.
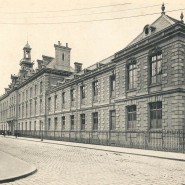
{"x":161,"y":23}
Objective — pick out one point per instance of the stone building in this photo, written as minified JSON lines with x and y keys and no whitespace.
{"x":139,"y":88}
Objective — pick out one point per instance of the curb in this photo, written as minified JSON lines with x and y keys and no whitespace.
{"x":11,"y":179}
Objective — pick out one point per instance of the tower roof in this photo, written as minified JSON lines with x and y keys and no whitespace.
{"x":27,"y":46}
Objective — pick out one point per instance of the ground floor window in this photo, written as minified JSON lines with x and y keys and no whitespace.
{"x":112,"y":120}
{"x":131,"y":117}
{"x":72,"y":122}
{"x":95,"y":120}
{"x":63,"y":122}
{"x":156,"y":115}
{"x":82,"y":117}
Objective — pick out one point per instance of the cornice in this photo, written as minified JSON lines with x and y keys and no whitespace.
{"x":150,"y":41}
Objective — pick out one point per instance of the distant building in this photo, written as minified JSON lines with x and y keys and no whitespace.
{"x":141,"y":87}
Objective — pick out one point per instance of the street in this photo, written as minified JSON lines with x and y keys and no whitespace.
{"x":66,"y":165}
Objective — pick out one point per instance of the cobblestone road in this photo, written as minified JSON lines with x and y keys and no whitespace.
{"x":65,"y":165}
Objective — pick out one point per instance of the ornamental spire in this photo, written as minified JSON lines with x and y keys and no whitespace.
{"x":163,"y":8}
{"x":181,"y":17}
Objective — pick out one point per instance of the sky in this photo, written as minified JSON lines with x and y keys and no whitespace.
{"x":44,"y":23}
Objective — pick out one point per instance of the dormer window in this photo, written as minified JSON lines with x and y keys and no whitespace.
{"x":148,"y":29}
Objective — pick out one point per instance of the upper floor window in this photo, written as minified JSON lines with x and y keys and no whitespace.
{"x":95,"y":120}
{"x":82,"y":92}
{"x":112,"y":120}
{"x":95,"y":90}
{"x":31,"y":92}
{"x":55,"y":102}
{"x":63,"y":99}
{"x":49,"y":123}
{"x":35,"y":90}
{"x":49,"y":103}
{"x":41,"y":86}
{"x":82,"y":117}
{"x":132,"y":76}
{"x":72,"y":97}
{"x":156,"y":115}
{"x":131,"y":117}
{"x":112,"y":85}
{"x":63,"y":56}
{"x":155,"y":68}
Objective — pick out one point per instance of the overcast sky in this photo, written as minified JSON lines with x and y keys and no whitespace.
{"x":90,"y":41}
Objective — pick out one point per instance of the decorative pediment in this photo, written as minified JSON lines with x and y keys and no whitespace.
{"x":131,"y":60}
{"x":154,"y":51}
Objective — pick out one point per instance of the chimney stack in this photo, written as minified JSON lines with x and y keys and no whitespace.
{"x":78,"y":67}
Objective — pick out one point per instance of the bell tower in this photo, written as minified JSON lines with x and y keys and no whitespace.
{"x":26,"y":63}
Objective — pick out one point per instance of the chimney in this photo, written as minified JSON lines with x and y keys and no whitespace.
{"x":78,"y":67}
{"x":62,"y":56}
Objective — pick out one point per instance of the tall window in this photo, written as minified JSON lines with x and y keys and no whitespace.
{"x":95,"y":90}
{"x":63,"y":100}
{"x":156,"y":115}
{"x":132,"y":76}
{"x":35,"y":125}
{"x":112,"y":85}
{"x":49,"y":123}
{"x":49,"y":103}
{"x":131,"y":117}
{"x":95,"y":120}
{"x":41,"y":106}
{"x":31,"y":92}
{"x":26,"y":94}
{"x":82,"y":92}
{"x":82,"y":119}
{"x":41,"y":86}
{"x":26,"y":109}
{"x":155,"y":68}
{"x":35,"y":90}
{"x":56,"y":123}
{"x":72,"y":97}
{"x":63,"y":122}
{"x":112,"y":120}
{"x":30,"y":125}
{"x":55,"y":102}
{"x":72,"y":122}
{"x":35,"y":107}
{"x":30,"y":108}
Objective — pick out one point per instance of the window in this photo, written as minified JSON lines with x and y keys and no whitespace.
{"x":112,"y":120}
{"x":30,"y":125}
{"x":72,"y":97}
{"x":30,"y":108}
{"x":82,"y":118}
{"x":40,"y":125}
{"x":132,"y":76}
{"x":63,"y":100}
{"x":82,"y":92}
{"x":35,"y":90}
{"x":55,"y":103}
{"x":56,"y":123}
{"x":41,"y":86}
{"x":63,"y":56}
{"x":31,"y":91}
{"x":41,"y":106}
{"x":35,"y":125}
{"x":72,"y":122}
{"x":49,"y":103}
{"x":95,"y":121}
{"x":156,"y":115}
{"x":112,"y":85}
{"x":26,"y":94}
{"x":22,"y":111}
{"x":131,"y":117}
{"x":35,"y":107}
{"x":95,"y":90}
{"x":26,"y":109}
{"x":49,"y":123}
{"x":63,"y":122}
{"x":26,"y":126}
{"x":155,"y":68}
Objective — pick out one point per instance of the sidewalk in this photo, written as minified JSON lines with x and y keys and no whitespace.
{"x":131,"y":151}
{"x":12,"y":168}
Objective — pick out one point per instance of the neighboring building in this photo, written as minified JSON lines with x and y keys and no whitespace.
{"x":140,"y":88}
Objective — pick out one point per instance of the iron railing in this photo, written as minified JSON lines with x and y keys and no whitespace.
{"x":165,"y":140}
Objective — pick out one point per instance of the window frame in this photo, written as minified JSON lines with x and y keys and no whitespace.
{"x":112,"y":125}
{"x":95,"y":87}
{"x":131,"y":117}
{"x":155,"y":111}
{"x":72,"y":121}
{"x":112,"y":85}
{"x":82,"y":121}
{"x":94,"y":119}
{"x":132,"y":75}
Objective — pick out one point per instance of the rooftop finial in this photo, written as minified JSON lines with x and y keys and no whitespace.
{"x":163,"y":8}
{"x":182,"y":16}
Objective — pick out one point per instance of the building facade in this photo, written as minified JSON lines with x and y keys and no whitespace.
{"x":138,"y":89}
